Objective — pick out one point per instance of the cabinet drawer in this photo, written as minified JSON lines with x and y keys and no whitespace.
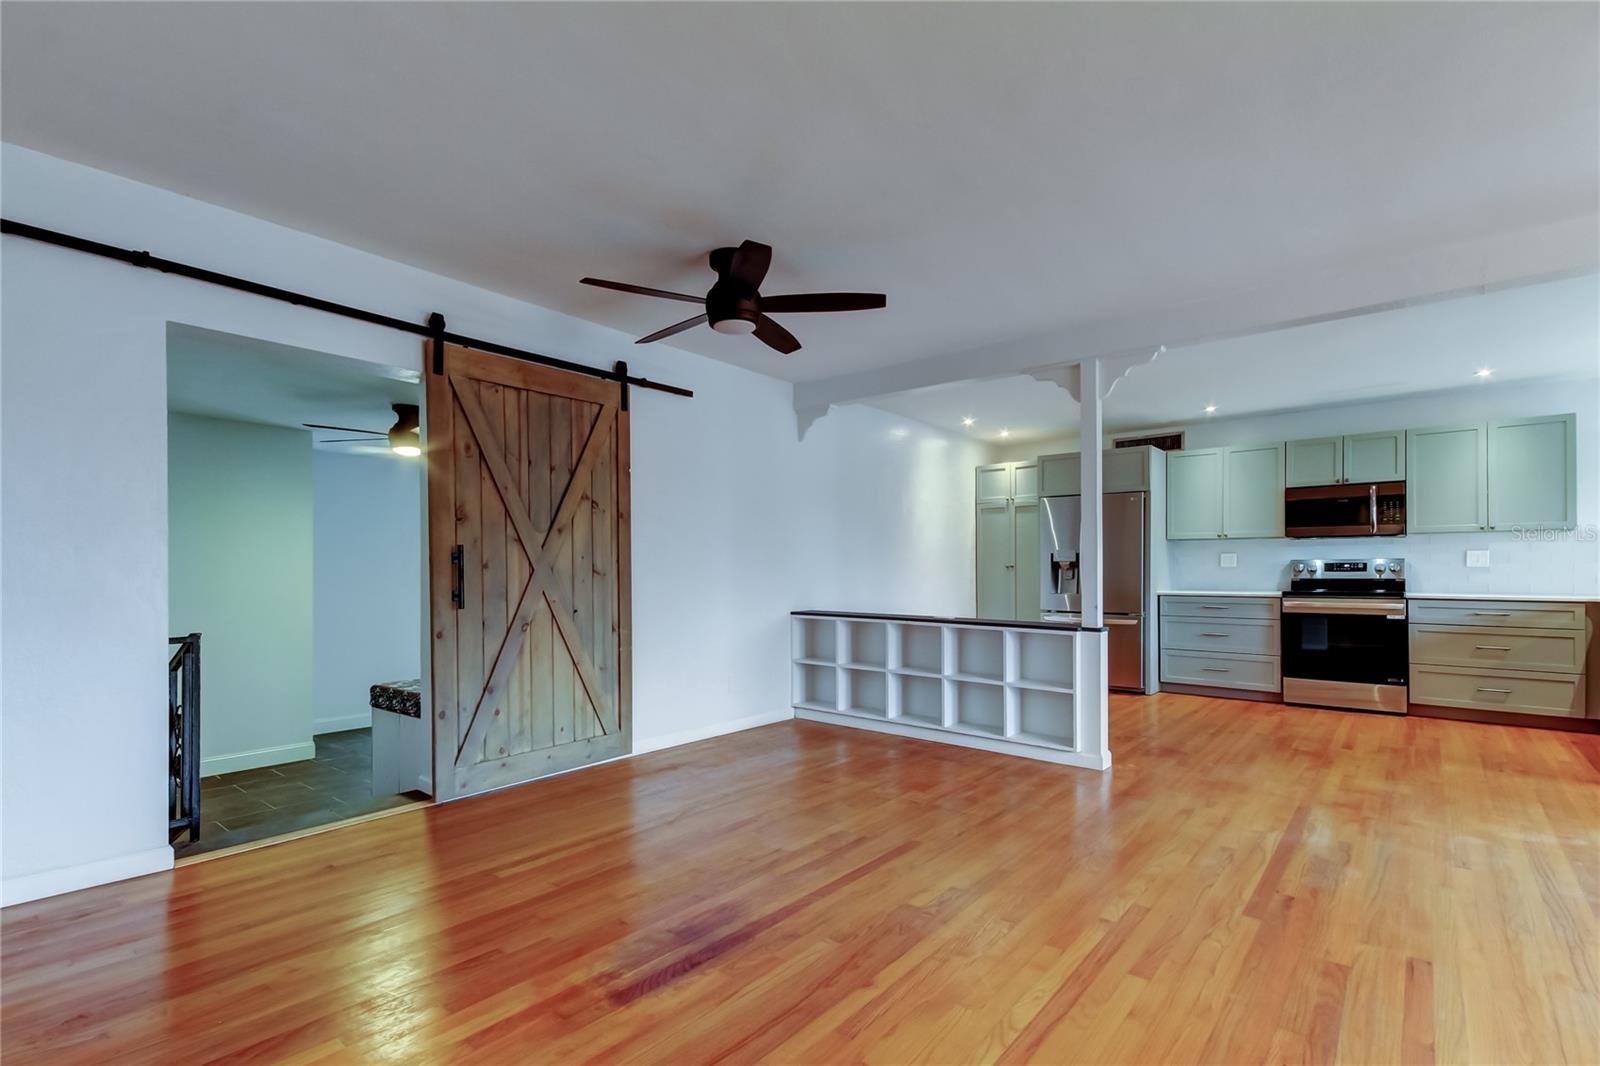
{"x":1261,"y":607}
{"x":1246,"y":636}
{"x":1258,"y":673}
{"x":1494,"y":647}
{"x":1514,"y":613}
{"x":1499,"y":690}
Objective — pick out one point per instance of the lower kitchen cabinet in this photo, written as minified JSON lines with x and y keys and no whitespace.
{"x":1225,"y":643}
{"x":1499,"y":655}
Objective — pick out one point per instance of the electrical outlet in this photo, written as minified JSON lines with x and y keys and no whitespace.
{"x":1228,"y":560}
{"x":1478,"y":558}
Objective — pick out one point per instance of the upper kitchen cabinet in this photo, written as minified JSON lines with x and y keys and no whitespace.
{"x":1336,"y":460}
{"x":1447,"y":488}
{"x":1121,"y":470}
{"x":994,"y":482}
{"x":1375,"y":457}
{"x":1314,"y":462}
{"x":1252,"y":492}
{"x":1533,"y":472}
{"x":1225,"y":492}
{"x":1194,"y":494}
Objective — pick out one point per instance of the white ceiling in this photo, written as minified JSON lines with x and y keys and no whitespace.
{"x":1536,"y":331}
{"x":999,"y":170}
{"x":222,"y":375}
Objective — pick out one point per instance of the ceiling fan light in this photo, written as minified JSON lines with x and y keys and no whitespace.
{"x":405,"y":437}
{"x":734,"y":325}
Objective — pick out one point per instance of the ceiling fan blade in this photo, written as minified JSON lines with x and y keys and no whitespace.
{"x":349,"y":440}
{"x":775,"y":336}
{"x":345,"y":429}
{"x":750,"y":262}
{"x":642,"y":290}
{"x":823,"y":301}
{"x":688,"y":323}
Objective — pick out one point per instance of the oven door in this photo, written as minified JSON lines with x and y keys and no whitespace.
{"x":1345,"y":652}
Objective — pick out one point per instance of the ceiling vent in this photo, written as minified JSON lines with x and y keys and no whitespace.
{"x":1167,"y":440}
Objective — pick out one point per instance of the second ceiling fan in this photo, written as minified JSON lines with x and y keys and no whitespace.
{"x":735,"y":303}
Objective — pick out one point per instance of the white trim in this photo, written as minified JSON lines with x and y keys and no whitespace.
{"x":251,"y":760}
{"x":425,"y":783}
{"x":343,"y":722}
{"x":71,"y":878}
{"x":689,"y":736}
{"x":999,"y":745}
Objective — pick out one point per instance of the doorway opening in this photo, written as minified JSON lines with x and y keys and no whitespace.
{"x":296,"y":510}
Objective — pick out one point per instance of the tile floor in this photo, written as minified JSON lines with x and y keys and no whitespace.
{"x":255,"y":804}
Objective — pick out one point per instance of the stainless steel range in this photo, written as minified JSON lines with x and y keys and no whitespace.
{"x":1344,"y":634}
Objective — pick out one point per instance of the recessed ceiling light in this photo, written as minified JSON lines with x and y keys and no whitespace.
{"x":967,"y":421}
{"x":1211,"y":408}
{"x":1483,"y":372}
{"x":1005,"y":433}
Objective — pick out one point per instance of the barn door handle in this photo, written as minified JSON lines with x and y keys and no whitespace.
{"x":458,"y":577}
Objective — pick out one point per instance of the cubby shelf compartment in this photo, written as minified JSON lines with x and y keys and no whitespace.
{"x":816,"y":640}
{"x":867,"y":692}
{"x":1003,"y":687}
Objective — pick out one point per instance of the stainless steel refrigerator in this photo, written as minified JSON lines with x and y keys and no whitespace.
{"x":1126,"y":554}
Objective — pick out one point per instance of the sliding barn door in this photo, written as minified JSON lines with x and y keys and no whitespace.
{"x":528,"y":545}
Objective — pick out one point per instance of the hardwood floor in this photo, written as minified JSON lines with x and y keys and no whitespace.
{"x":1251,"y":883}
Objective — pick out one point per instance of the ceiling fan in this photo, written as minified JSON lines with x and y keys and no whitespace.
{"x":405,"y":436}
{"x":735,"y":303}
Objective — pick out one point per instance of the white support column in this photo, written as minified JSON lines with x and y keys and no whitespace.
{"x":1091,"y":431}
{"x":1092,"y":691}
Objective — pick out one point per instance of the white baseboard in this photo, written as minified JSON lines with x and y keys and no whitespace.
{"x":689,"y":736}
{"x":250,"y":760}
{"x":902,"y":728}
{"x":340,"y":724}
{"x":71,"y":878}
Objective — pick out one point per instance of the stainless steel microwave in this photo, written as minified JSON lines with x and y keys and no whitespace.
{"x":1376,"y":509}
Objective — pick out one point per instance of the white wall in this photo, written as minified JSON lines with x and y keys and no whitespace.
{"x":239,"y":507}
{"x":735,"y":523}
{"x":1567,"y":564}
{"x":367,"y":617}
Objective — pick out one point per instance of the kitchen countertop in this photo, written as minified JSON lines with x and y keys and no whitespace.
{"x":1513,"y":596}
{"x":1516,"y":597}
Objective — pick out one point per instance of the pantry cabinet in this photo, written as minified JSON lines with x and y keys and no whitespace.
{"x":1007,"y":540}
{"x":1225,"y":493}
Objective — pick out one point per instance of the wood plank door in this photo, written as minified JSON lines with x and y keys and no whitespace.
{"x":529,"y":571}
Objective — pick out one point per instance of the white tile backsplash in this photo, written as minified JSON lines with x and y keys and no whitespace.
{"x":1436,"y":562}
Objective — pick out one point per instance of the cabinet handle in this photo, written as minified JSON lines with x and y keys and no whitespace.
{"x":1493,"y":614}
{"x":1489,"y":647}
{"x":1216,"y":669}
{"x":1213,"y":634}
{"x":1497,"y":691}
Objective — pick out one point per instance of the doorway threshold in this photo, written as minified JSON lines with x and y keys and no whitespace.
{"x":421,"y":803}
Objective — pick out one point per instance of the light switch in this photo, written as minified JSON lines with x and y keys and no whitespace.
{"x":1228,"y":560}
{"x":1478,"y":558}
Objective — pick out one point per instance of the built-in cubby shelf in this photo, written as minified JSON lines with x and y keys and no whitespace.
{"x":1002,"y":687}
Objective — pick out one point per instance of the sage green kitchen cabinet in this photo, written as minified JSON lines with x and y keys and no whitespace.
{"x":996,"y":536}
{"x":1447,"y":480}
{"x":1533,"y":472}
{"x":1252,"y":492}
{"x":1375,"y":457}
{"x":1007,"y":540}
{"x":1121,"y":470}
{"x":994,"y":482}
{"x":1194,"y":494}
{"x":1319,"y":461}
{"x":1025,"y":536}
{"x":1225,"y":492}
{"x":1360,"y":458}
